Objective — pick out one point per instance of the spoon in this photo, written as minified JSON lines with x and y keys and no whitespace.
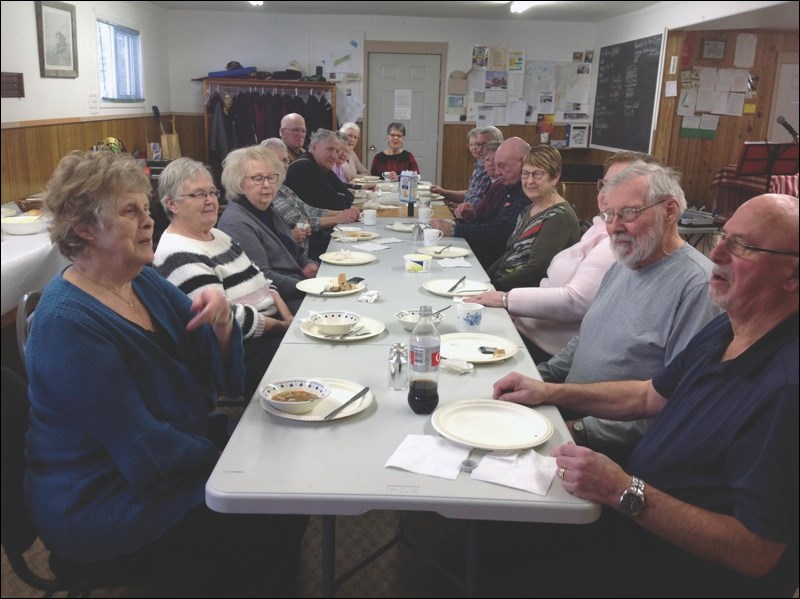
{"x":442,"y":310}
{"x":442,"y":250}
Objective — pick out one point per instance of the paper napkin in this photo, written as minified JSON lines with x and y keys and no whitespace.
{"x":526,"y":470}
{"x":454,"y":263}
{"x":456,"y":366}
{"x":369,"y":296}
{"x":371,"y":246}
{"x":432,"y":456}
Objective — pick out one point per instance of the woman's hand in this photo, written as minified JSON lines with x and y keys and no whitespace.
{"x":310,"y":270}
{"x":299,"y":234}
{"x":211,"y":307}
{"x":491,"y":299}
{"x":393,"y":176}
{"x":347,"y":216}
{"x":285,"y":314}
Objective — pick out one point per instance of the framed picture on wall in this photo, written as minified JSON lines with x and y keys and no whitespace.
{"x":58,"y":46}
{"x":713,"y":49}
{"x":578,"y":136}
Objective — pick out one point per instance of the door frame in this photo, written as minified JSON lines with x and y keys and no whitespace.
{"x":382,"y":47}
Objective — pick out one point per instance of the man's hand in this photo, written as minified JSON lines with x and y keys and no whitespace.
{"x":518,"y":388}
{"x":444,"y":225}
{"x":590,"y":475}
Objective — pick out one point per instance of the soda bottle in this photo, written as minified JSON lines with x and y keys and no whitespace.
{"x":423,"y":378}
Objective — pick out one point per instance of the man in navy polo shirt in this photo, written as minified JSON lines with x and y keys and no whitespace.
{"x":711,"y":490}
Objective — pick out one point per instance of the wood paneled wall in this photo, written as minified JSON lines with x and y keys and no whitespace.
{"x":30,"y":152}
{"x":700,"y":159}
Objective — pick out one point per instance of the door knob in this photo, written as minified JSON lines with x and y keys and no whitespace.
{"x":371,"y":147}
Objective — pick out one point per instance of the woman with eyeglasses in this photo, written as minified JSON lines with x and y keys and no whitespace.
{"x":394,"y":159}
{"x":124,"y":374}
{"x":193,"y":255}
{"x":251,"y":177}
{"x":352,"y":167}
{"x":547,"y":227}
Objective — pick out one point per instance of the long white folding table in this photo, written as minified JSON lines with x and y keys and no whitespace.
{"x":276,"y":465}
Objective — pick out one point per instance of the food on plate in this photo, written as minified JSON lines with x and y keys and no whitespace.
{"x":342,"y":284}
{"x":499,"y":353}
{"x":294,"y":395}
{"x":358,"y":234}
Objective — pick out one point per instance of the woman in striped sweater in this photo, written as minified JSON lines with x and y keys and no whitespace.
{"x":194,"y":255}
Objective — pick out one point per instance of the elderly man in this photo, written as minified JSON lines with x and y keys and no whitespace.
{"x":487,"y":235}
{"x":649,"y":305}
{"x":311,"y":177}
{"x":711,"y":490}
{"x":479,"y":180}
{"x":293,"y":133}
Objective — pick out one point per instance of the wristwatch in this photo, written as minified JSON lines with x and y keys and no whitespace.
{"x":632,"y":502}
{"x":579,"y":432}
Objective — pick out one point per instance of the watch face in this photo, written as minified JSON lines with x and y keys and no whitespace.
{"x":631,"y":503}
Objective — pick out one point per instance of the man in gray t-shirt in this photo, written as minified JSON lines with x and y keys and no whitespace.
{"x":649,"y":305}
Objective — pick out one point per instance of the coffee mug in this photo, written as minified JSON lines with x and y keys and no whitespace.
{"x":387,"y":176}
{"x":469,"y":316}
{"x":431,"y":236}
{"x":425,"y":215}
{"x":368,"y":217}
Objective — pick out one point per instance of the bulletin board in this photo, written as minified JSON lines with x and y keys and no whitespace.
{"x":627,"y":80}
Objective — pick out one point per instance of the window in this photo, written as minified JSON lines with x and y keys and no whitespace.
{"x":119,"y":63}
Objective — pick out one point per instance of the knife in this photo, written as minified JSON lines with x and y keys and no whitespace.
{"x":157,"y":114}
{"x":453,"y":288}
{"x":358,"y":395}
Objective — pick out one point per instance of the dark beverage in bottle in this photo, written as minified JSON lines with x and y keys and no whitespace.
{"x":423,"y":353}
{"x":423,"y":396}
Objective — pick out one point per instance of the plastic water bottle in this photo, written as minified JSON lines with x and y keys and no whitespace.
{"x":423,"y":378}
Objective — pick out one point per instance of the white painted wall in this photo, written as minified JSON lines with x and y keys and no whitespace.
{"x":179,"y":46}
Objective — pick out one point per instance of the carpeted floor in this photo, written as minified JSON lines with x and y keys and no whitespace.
{"x":396,"y":573}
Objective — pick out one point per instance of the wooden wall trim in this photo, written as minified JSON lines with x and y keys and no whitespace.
{"x":87,"y":119}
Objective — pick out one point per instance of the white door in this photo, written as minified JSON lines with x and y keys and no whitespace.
{"x":418,"y":73}
{"x":784,"y":103}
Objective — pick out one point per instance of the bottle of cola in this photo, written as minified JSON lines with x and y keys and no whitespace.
{"x":423,"y":377}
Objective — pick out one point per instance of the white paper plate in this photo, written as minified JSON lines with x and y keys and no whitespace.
{"x":341,"y":391}
{"x":441,"y":286}
{"x":430,"y":196}
{"x":451,"y":252}
{"x":353,"y":236}
{"x":491,"y":424}
{"x":367,"y":179}
{"x":317,"y":287}
{"x":347,"y":257}
{"x":400,"y":227}
{"x":464,"y":346}
{"x":369,"y":326}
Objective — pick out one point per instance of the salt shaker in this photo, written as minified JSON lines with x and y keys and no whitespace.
{"x":398,"y":361}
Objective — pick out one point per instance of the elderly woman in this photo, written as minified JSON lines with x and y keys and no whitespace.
{"x":543,"y":230}
{"x":124,"y":371}
{"x":394,"y":159}
{"x":307,"y":219}
{"x":252,"y":177}
{"x":352,"y":167}
{"x":194,"y":256}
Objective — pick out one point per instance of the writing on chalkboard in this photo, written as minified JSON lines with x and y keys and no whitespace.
{"x":626,"y":91}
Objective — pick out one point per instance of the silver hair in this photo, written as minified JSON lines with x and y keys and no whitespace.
{"x":662,"y":182}
{"x":274,"y":143}
{"x":322,"y":136}
{"x":349,"y":125}
{"x":473,"y":133}
{"x":174,"y":176}
{"x":491,"y":131}
{"x":235,"y":165}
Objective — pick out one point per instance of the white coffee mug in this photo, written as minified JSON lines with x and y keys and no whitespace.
{"x":425,"y":215}
{"x":368,"y":217}
{"x":431,"y":236}
{"x":387,"y":175}
{"x":469,"y":316}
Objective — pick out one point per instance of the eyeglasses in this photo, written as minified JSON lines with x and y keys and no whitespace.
{"x":601,"y":183}
{"x":296,"y":130}
{"x":627,"y":215}
{"x":202,"y":195}
{"x":535,"y":175}
{"x":399,"y":135}
{"x":737,"y":246}
{"x":259,"y":179}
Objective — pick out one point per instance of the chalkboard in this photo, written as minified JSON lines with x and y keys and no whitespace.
{"x":626,"y":93}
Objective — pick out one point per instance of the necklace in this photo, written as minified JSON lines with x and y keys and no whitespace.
{"x":127,"y":301}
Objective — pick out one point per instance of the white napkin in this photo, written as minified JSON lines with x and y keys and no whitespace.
{"x":369,"y":296}
{"x":402,"y":226}
{"x":371,"y":246}
{"x":456,"y":366}
{"x":432,"y":456}
{"x":391,"y":240}
{"x":454,"y":262}
{"x":526,"y":470}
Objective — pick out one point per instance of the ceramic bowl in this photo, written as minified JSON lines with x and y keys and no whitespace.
{"x":409,"y":318}
{"x":336,"y":322}
{"x":283,"y":395}
{"x":24,"y":225}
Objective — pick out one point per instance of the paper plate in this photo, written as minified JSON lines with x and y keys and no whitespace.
{"x":348,"y":258}
{"x":341,"y":391}
{"x":451,"y":252}
{"x":400,"y":227}
{"x":441,"y":286}
{"x":365,"y":329}
{"x":317,"y":286}
{"x":491,"y":424}
{"x":464,"y":346}
{"x":353,"y":236}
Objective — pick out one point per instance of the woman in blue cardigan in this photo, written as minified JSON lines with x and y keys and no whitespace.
{"x":125,"y":370}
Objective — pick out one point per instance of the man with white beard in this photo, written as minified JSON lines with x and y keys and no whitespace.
{"x":649,"y":305}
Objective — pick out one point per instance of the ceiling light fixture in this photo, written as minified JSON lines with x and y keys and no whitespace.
{"x":256,"y":3}
{"x":518,"y":7}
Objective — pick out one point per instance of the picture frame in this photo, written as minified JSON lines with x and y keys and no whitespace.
{"x":58,"y":40}
{"x":713,"y":49}
{"x":578,"y":136}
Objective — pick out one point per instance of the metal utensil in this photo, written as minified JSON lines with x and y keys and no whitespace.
{"x":351,"y":333}
{"x":461,"y":280}
{"x":442,"y":310}
{"x":358,"y":395}
{"x":442,"y":250}
{"x":471,"y":291}
{"x":355,"y":280}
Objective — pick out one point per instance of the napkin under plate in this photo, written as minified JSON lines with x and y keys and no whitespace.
{"x":454,"y":263}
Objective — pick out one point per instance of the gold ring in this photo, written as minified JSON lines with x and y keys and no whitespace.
{"x":561,"y":472}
